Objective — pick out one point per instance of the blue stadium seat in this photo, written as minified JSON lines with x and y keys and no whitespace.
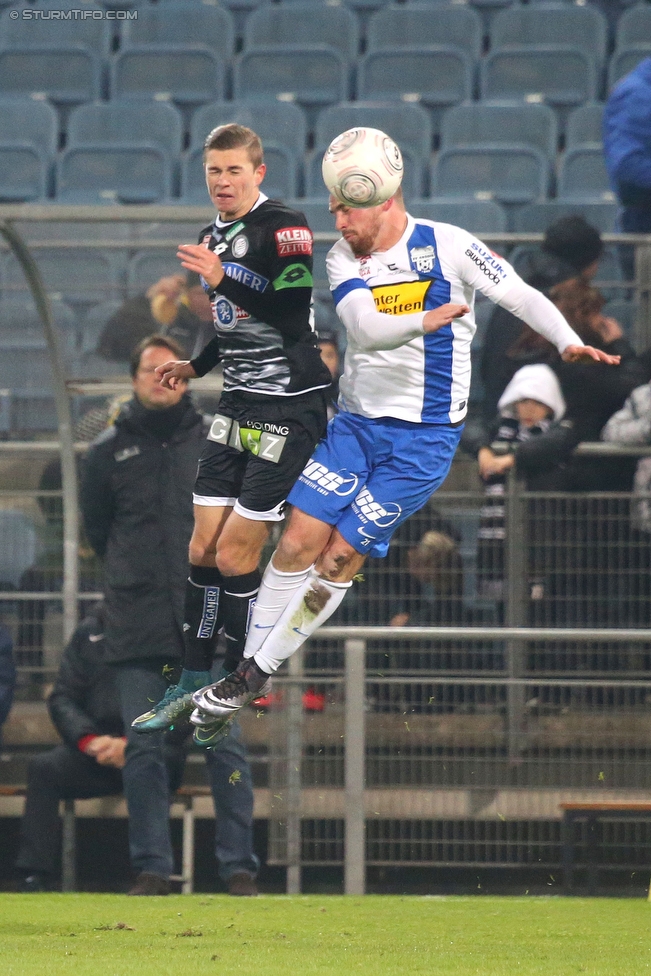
{"x":280,"y":182}
{"x":408,"y":124}
{"x":311,"y":75}
{"x":625,"y":59}
{"x":476,"y":216}
{"x":23,"y":172}
{"x":128,"y":122}
{"x":634,"y":26}
{"x":417,"y":24}
{"x":583,"y":174}
{"x":19,"y":545}
{"x":435,"y":76}
{"x":177,"y":23}
{"x":281,"y":122}
{"x":475,"y":122}
{"x":29,"y":120}
{"x":551,"y":24}
{"x":113,"y":174}
{"x":412,"y":181}
{"x":560,"y":77}
{"x":93,"y":322}
{"x":21,"y":324}
{"x":90,"y":33}
{"x":301,"y":24}
{"x":319,"y":220}
{"x":187,"y":75}
{"x":65,"y":75}
{"x":78,"y":275}
{"x":584,"y":124}
{"x":508,"y":174}
{"x":538,"y":216}
{"x":146,"y":267}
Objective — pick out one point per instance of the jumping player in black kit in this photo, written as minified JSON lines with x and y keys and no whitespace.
{"x":256,"y":264}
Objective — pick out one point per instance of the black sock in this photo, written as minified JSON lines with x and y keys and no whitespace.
{"x":238,"y":597}
{"x":203,"y":599}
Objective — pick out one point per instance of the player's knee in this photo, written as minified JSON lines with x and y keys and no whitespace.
{"x":200,"y":552}
{"x":337,"y":563}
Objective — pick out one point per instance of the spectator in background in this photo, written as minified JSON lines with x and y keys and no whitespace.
{"x":632,"y":425}
{"x":176,"y":306}
{"x":136,"y":500}
{"x":571,"y":248}
{"x":627,"y":147}
{"x":7,"y":675}
{"x":434,"y":597}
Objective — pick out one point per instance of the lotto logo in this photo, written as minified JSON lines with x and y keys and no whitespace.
{"x":340,"y":482}
{"x":383,"y":515}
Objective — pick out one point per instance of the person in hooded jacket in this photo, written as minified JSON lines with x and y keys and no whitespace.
{"x":136,"y":500}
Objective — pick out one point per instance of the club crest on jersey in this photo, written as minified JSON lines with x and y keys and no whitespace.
{"x":225,"y":314}
{"x":240,"y":246}
{"x":423,"y":258}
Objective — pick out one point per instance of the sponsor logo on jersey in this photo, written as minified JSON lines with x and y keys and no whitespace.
{"x":293,"y":240}
{"x":246,"y":277}
{"x":240,"y":246}
{"x":127,"y":453}
{"x":341,"y":482}
{"x":209,"y":615}
{"x":270,"y":428}
{"x":295,"y":276}
{"x":403,"y":298}
{"x":423,"y":258}
{"x":225,"y":314}
{"x":365,"y":267}
{"x":206,"y":239}
{"x":232,"y":231}
{"x":382,"y":515}
{"x":487,"y":261}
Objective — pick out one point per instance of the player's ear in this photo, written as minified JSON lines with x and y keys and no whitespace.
{"x":260,"y":174}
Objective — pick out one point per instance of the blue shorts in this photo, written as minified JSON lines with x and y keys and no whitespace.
{"x":368,"y":476}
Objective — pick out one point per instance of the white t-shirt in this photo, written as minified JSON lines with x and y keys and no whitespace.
{"x":392,"y":368}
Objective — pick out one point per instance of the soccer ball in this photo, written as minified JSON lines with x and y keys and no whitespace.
{"x":362,"y":167}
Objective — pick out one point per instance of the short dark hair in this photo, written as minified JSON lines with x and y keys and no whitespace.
{"x":235,"y":136}
{"x":156,"y":341}
{"x":574,"y":240}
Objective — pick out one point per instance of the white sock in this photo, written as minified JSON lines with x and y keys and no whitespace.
{"x":275,"y":592}
{"x":311,"y":605}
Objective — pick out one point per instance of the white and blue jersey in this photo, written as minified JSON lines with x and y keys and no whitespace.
{"x":426,"y":379}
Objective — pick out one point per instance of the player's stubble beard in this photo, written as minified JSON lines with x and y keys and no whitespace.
{"x":364,"y":241}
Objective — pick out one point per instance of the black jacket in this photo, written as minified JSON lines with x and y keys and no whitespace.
{"x":7,"y":673}
{"x":136,"y":500}
{"x":84,"y":700}
{"x":133,"y":321}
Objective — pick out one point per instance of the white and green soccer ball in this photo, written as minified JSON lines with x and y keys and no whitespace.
{"x":362,"y":167}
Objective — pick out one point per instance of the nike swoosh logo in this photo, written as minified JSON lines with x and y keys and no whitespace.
{"x":93,"y":638}
{"x":364,"y":533}
{"x":263,"y":626}
{"x":297,"y":631}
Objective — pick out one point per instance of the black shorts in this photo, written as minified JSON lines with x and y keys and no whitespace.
{"x":256,"y":450}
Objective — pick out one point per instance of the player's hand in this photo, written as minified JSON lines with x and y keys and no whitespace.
{"x":112,"y":754}
{"x":436,"y":318}
{"x":588,"y":354}
{"x":170,"y":286}
{"x":196,"y":257}
{"x":174,"y":373}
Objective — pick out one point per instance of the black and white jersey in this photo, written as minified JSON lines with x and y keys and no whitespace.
{"x":262,"y":309}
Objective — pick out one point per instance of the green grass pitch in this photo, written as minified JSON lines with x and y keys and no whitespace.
{"x":210,"y":935}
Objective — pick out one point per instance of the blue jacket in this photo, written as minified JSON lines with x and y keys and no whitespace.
{"x":627,"y":137}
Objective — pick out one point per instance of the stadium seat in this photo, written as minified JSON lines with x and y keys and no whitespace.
{"x":311,"y":75}
{"x":65,"y":75}
{"x":19,"y":545}
{"x":583,"y":174}
{"x":187,"y":75}
{"x":412,"y":181}
{"x":436,"y":76}
{"x":559,"y":77}
{"x":23,"y":172}
{"x":625,"y":59}
{"x":475,"y":122}
{"x":146,"y":267}
{"x":584,"y":124}
{"x":90,"y":33}
{"x":416,"y":24}
{"x":29,"y":120}
{"x":21,"y":324}
{"x":280,"y":182}
{"x":409,"y":125}
{"x":508,"y":174}
{"x":476,"y":216}
{"x":281,"y":122}
{"x":128,"y":122}
{"x":634,"y":26}
{"x":551,"y":24}
{"x":93,"y":322}
{"x":33,"y":412}
{"x":78,"y":275}
{"x":113,"y":174}
{"x":301,"y":24}
{"x":536,"y":217}
{"x":172,"y":23}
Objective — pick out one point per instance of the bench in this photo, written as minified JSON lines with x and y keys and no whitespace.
{"x":591,"y":813}
{"x":184,"y":800}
